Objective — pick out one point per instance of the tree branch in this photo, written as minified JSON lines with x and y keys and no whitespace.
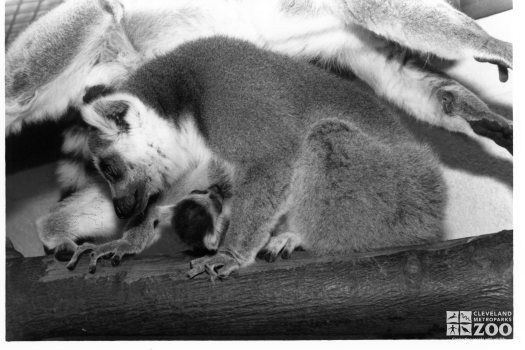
{"x":399,"y":293}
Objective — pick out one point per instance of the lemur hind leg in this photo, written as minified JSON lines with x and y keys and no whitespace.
{"x":354,"y":192}
{"x":348,"y":192}
{"x":86,"y":215}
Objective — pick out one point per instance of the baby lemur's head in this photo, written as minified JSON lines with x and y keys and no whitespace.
{"x":139,"y":152}
{"x":196,"y":219}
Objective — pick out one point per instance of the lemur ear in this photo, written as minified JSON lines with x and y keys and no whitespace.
{"x":107,"y":115}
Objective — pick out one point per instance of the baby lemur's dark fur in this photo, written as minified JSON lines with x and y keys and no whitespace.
{"x":306,"y":145}
{"x":196,"y":216}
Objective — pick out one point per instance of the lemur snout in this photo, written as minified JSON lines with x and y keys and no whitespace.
{"x":125,"y":206}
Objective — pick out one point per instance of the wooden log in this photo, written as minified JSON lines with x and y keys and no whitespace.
{"x":401,"y":293}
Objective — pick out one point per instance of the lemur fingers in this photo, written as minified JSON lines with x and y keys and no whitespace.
{"x":78,"y":252}
{"x":115,"y":249}
{"x":281,"y":245}
{"x":220,"y":265}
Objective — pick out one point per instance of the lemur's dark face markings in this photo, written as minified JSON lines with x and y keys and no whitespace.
{"x":136,"y":151}
{"x":112,"y":168}
{"x":195,"y":217}
{"x":96,"y":91}
{"x":131,"y":191}
{"x":114,"y":111}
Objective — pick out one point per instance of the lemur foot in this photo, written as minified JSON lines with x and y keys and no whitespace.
{"x":220,"y":265}
{"x":114,"y":249}
{"x":498,"y":132}
{"x":283,"y":244}
{"x":457,"y":101}
{"x":497,"y":52}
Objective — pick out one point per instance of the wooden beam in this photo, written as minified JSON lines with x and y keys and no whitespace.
{"x":400,"y":293}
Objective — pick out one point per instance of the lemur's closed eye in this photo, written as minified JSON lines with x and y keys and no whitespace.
{"x":109,"y":168}
{"x":114,"y":111}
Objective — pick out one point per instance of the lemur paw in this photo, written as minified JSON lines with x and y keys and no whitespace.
{"x":283,"y":244}
{"x":498,"y":132}
{"x":497,"y":52}
{"x":114,"y":249}
{"x":220,"y":265}
{"x":65,"y":251}
{"x":456,"y":101}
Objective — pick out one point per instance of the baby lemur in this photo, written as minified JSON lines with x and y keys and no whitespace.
{"x":301,"y":143}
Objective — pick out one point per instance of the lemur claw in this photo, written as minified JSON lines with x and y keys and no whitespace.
{"x":220,"y":265}
{"x":281,"y":245}
{"x":64,"y":252}
{"x":503,"y":74}
{"x":114,"y":249}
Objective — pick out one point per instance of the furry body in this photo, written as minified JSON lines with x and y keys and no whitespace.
{"x":302,"y":143}
{"x":83,"y":44}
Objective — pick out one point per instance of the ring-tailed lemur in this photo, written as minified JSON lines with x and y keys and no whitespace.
{"x":86,"y":48}
{"x":302,"y":144}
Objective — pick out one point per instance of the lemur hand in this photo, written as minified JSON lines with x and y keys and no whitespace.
{"x":114,"y":249}
{"x":220,"y":265}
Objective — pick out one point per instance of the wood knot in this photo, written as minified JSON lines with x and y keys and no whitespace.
{"x":413,"y":271}
{"x":413,"y":265}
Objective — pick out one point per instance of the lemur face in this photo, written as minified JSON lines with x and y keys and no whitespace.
{"x":137,"y":152}
{"x":195,"y":219}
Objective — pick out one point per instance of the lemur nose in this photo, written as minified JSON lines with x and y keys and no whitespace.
{"x":125,"y":206}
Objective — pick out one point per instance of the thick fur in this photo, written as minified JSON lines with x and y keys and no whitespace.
{"x":298,"y":139}
{"x":352,"y":192}
{"x":383,"y":191}
{"x":93,"y":42}
{"x":84,"y":48}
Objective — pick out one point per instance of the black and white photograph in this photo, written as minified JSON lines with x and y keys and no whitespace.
{"x":259,"y":170}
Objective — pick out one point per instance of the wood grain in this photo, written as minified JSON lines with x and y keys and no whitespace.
{"x":400,"y":293}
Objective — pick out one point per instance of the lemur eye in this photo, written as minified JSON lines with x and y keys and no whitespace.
{"x":109,"y":170}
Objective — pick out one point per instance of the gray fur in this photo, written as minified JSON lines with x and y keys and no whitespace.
{"x":352,"y":192}
{"x":353,"y":182}
{"x":48,"y":46}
